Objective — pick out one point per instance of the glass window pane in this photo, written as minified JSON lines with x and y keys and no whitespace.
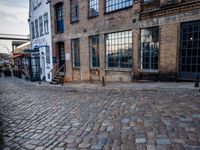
{"x":149,"y":48}
{"x":119,"y":49}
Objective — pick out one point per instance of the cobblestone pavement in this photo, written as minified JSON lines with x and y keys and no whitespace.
{"x":41,"y":117}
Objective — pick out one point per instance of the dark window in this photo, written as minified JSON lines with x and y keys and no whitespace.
{"x":59,"y":18}
{"x":149,"y":48}
{"x":112,"y":5}
{"x":48,"y":55}
{"x":190,"y":47}
{"x":41,"y":25}
{"x":74,"y":11}
{"x":33,"y":30}
{"x":94,"y":51}
{"x":46,"y":24}
{"x":93,"y":8}
{"x":75,"y":53}
{"x":36,"y":28}
{"x":119,"y":49}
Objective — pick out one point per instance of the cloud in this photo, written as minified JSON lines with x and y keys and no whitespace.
{"x":13,"y":16}
{"x":12,"y":20}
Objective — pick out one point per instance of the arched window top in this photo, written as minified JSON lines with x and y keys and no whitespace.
{"x":58,"y":4}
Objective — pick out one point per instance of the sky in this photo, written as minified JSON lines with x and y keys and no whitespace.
{"x":13,"y":19}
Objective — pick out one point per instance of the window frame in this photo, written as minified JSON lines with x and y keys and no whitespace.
{"x":94,"y":16}
{"x":33,"y":29}
{"x":37,"y":28}
{"x":141,"y":55}
{"x":48,"y":56}
{"x":78,"y":13}
{"x":116,"y":10}
{"x":73,"y":54}
{"x":119,"y":68}
{"x":41,"y":28}
{"x":46,"y":23}
{"x":59,"y":7}
{"x":90,"y":52}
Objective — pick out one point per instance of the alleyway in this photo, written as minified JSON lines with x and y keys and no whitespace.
{"x":41,"y":117}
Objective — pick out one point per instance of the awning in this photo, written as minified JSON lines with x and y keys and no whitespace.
{"x":17,"y":55}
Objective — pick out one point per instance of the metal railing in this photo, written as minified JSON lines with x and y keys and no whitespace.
{"x":55,"y":70}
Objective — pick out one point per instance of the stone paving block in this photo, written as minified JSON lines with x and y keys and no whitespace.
{"x":151,"y":147}
{"x":48,"y":117}
{"x":163,"y":141}
{"x":140,"y":140}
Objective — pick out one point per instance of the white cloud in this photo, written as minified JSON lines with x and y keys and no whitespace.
{"x":13,"y":18}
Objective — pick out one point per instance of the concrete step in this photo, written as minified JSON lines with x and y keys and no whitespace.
{"x":54,"y":82}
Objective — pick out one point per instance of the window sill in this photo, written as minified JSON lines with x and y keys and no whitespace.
{"x":94,"y":68}
{"x":119,"y":69}
{"x":76,"y":68}
{"x":92,"y":17}
{"x":73,"y":22}
{"x":155,"y":71}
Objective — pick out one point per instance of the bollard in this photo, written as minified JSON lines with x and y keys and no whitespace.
{"x":103,"y":81}
{"x":196,"y":84}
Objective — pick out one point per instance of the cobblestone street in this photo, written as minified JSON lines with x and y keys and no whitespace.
{"x":36,"y":117}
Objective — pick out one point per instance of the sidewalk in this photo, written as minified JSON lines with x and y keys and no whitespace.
{"x":125,"y":86}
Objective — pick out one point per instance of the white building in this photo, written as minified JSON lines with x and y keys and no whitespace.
{"x":40,"y":30}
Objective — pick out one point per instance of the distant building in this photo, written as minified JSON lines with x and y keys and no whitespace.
{"x":126,"y":40}
{"x":39,"y":23}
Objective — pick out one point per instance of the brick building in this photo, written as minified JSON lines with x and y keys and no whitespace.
{"x":125,"y":40}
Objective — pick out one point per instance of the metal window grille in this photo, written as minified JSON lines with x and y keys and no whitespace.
{"x":119,"y":49}
{"x":190,"y":48}
{"x":112,"y":5}
{"x":93,"y":8}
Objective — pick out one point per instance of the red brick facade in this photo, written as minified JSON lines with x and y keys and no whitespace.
{"x":167,"y":17}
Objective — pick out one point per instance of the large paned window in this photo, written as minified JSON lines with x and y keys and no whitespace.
{"x":41,"y":25}
{"x":190,"y":48}
{"x":119,"y":50}
{"x":32,"y":30}
{"x":36,"y":28}
{"x":46,"y":24}
{"x":112,"y":5}
{"x":75,"y":53}
{"x":59,"y":18}
{"x":74,"y":11}
{"x":93,"y":8}
{"x":149,"y":48}
{"x":94,"y":51}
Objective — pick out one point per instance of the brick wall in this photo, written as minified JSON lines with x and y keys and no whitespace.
{"x":168,"y":48}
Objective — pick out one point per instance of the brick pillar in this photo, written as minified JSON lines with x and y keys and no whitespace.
{"x":168,"y":49}
{"x":136,"y":6}
{"x":68,"y":66}
{"x":136,"y":51}
{"x":84,"y":58}
{"x":102,"y":56}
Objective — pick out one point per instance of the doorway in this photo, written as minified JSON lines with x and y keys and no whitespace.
{"x":190,"y":50}
{"x":61,"y":55}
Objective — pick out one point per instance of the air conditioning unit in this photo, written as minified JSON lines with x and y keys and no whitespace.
{"x":164,"y":3}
